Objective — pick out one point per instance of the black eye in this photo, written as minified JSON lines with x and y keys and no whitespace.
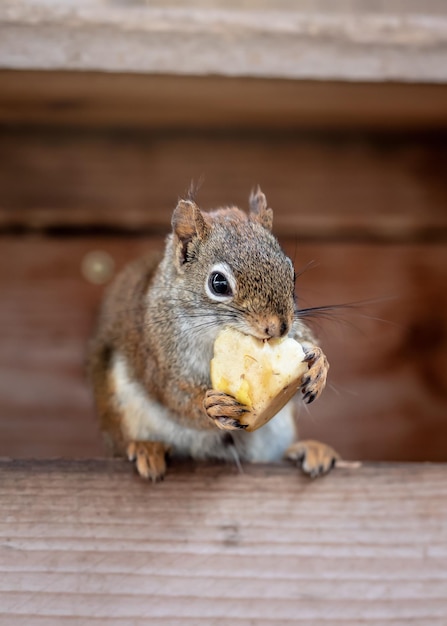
{"x":219,"y":284}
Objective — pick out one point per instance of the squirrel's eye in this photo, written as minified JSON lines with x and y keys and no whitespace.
{"x":219,"y":284}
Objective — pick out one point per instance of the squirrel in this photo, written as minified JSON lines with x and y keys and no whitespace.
{"x":149,"y":360}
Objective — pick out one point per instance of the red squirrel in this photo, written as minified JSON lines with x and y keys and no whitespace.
{"x":149,"y":361}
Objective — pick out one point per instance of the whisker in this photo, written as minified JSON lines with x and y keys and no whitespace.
{"x":323,"y":310}
{"x":310,"y":265}
{"x":338,"y":390}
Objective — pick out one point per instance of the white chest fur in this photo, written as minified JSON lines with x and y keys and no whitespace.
{"x":145,"y":419}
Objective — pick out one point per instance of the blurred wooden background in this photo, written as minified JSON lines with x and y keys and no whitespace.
{"x":355,"y":172}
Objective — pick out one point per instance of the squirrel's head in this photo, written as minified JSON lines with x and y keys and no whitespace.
{"x":229,"y":263}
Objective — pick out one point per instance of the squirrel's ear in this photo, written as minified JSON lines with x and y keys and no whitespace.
{"x":188,"y":224}
{"x":259,"y":211}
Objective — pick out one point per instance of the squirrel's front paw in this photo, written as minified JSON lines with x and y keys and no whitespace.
{"x":313,"y":457}
{"x":224,"y":410}
{"x":149,"y":458}
{"x":314,"y":381}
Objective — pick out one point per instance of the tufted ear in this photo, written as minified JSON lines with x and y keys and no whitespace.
{"x":259,"y":211}
{"x":188,"y":226}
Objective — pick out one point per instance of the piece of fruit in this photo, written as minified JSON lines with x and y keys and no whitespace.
{"x":263,"y":375}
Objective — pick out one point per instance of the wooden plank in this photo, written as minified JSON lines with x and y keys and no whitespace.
{"x":90,"y":542}
{"x":102,"y":100}
{"x":320,"y":186}
{"x":347,"y":40}
{"x":388,"y":388}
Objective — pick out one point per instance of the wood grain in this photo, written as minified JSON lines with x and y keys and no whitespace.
{"x":89,"y":542}
{"x":387,"y":394}
{"x":321,"y":187}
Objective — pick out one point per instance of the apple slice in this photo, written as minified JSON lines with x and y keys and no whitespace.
{"x":263,"y":375}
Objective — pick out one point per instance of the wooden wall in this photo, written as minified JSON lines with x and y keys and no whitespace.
{"x":356,"y":175}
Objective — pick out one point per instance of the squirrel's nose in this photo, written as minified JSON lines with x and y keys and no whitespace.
{"x":275,"y":327}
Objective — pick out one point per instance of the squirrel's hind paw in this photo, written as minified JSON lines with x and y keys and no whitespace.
{"x":314,"y":458}
{"x":224,"y":410}
{"x":149,"y":458}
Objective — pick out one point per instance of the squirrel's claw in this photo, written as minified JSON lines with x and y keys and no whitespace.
{"x":229,"y":423}
{"x":314,"y":381}
{"x":224,"y":410}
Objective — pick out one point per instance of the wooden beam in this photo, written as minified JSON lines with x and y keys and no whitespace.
{"x":154,"y":102}
{"x":321,"y":187}
{"x":337,"y":40}
{"x":90,"y":540}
